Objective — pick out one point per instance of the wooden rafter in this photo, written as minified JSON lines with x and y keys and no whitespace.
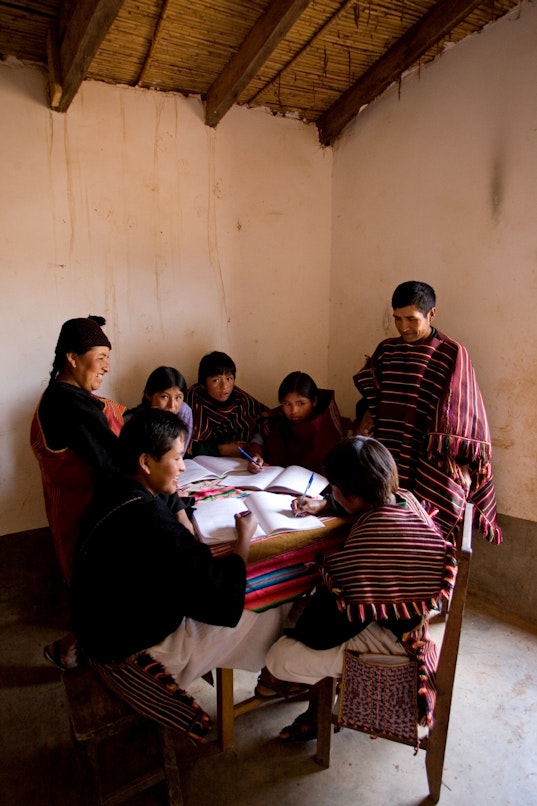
{"x":421,"y":37}
{"x":74,"y":44}
{"x":264,"y":37}
{"x":155,"y":42}
{"x":310,"y":43}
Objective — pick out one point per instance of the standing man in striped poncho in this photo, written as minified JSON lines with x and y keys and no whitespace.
{"x":420,"y":398}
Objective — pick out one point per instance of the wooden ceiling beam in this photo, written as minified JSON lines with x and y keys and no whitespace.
{"x":264,"y":37}
{"x":81,"y":30}
{"x":423,"y":35}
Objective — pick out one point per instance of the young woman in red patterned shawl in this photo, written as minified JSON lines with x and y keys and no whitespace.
{"x":394,"y":568}
{"x":301,"y":430}
{"x":421,"y":399}
{"x":224,"y":415}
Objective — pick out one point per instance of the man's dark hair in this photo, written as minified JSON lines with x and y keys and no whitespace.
{"x":416,"y":294}
{"x":215,"y":363}
{"x":151,"y":431}
{"x":362,"y":466}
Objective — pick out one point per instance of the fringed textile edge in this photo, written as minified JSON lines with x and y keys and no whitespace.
{"x":151,"y":691}
{"x":462,"y":449}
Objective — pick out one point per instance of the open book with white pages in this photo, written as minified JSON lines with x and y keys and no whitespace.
{"x":214,"y":521}
{"x":292,"y":479}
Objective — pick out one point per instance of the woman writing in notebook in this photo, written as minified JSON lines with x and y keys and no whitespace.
{"x":378,"y":591}
{"x":299,"y":431}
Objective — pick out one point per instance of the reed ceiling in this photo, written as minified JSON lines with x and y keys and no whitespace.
{"x":319,"y":60}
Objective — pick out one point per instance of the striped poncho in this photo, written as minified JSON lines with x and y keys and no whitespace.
{"x":218,"y":423}
{"x":395,"y":564}
{"x":428,"y":411}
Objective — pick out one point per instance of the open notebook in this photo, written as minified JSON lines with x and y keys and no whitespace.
{"x":215,"y":520}
{"x":292,"y":479}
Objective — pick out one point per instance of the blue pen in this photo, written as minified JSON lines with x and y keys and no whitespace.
{"x":247,"y":455}
{"x":303,"y":496}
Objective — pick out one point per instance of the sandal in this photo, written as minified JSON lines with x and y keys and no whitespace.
{"x":303,"y":729}
{"x":271,"y":688}
{"x":53,"y":653}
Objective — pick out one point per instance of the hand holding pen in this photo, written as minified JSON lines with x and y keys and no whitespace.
{"x":256,"y":465}
{"x":300,"y":502}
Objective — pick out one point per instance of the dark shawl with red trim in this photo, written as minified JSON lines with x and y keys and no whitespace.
{"x":428,"y":411}
{"x":218,"y":423}
{"x":74,"y":438}
{"x":306,"y":443}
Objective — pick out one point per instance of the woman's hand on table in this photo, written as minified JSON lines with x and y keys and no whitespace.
{"x":246,"y":524}
{"x":309,"y":506}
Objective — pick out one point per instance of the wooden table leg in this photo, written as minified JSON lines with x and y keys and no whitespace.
{"x":225,"y":707}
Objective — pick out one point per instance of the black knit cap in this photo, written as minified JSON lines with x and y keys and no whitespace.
{"x":80,"y":335}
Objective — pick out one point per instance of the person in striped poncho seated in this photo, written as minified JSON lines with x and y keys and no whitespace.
{"x":421,"y":399}
{"x":394,"y":569}
{"x":225,"y":416}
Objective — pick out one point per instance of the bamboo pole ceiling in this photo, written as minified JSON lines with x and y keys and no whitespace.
{"x":318,"y":60}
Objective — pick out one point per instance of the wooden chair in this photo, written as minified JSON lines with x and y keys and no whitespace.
{"x":97,"y":715}
{"x":434,"y":743}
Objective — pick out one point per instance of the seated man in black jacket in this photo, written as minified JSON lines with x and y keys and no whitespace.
{"x":142,"y":583}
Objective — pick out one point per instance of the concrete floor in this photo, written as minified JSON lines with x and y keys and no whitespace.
{"x":490,"y":756}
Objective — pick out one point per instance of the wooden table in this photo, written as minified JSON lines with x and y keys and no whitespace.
{"x":280,"y":568}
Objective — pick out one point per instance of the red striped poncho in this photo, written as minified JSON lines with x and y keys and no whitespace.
{"x":428,"y":411}
{"x":396,"y":564}
{"x":219,"y":423}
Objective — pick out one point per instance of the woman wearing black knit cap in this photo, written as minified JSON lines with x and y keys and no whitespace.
{"x":74,"y":435}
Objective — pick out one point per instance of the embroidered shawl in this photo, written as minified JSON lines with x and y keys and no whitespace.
{"x":305,"y":443}
{"x":428,"y":411}
{"x":232,"y":421}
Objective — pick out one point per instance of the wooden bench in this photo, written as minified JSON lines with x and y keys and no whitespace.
{"x":113,"y":742}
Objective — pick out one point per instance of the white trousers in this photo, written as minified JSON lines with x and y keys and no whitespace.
{"x":195,"y":648}
{"x":289,"y":659}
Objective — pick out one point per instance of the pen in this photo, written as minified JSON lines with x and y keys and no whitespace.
{"x":303,"y":496}
{"x":247,"y":455}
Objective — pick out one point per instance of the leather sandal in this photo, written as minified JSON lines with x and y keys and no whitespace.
{"x":53,"y":653}
{"x":303,"y":729}
{"x":271,"y":688}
